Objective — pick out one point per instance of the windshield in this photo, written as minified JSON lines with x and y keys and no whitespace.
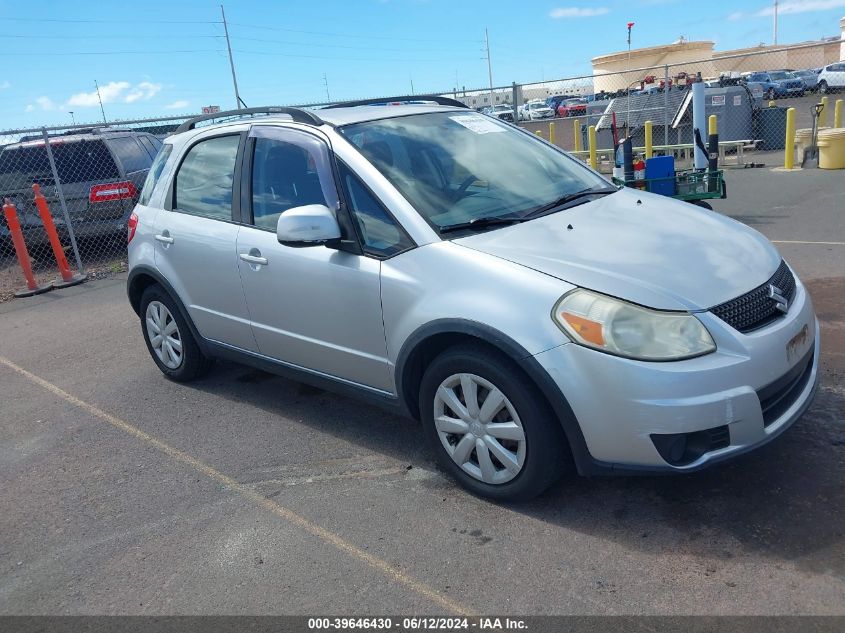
{"x":459,"y":167}
{"x":537,"y":106}
{"x":779,"y":76}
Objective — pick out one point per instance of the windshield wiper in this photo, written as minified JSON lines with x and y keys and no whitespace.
{"x":570,"y":197}
{"x":477,"y":223}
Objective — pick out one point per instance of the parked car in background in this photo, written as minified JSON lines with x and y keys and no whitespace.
{"x":101,"y":171}
{"x":832,"y":78}
{"x":469,"y":300}
{"x":502,"y":111}
{"x":554,"y":101}
{"x":535,"y":110}
{"x":810,"y":78}
{"x":572,"y":107}
{"x":778,"y":83}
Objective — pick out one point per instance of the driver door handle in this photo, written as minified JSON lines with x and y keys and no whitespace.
{"x":255,"y":260}
{"x":164,"y":239}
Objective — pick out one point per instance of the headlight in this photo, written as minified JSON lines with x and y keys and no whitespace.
{"x":625,"y":329}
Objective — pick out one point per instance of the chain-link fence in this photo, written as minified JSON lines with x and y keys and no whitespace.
{"x":90,"y":178}
{"x":91,"y":175}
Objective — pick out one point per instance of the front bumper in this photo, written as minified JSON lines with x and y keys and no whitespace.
{"x":620,"y":404}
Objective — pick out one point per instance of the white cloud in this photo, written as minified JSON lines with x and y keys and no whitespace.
{"x":736,"y":16}
{"x":109,"y":92}
{"x":41,"y":103}
{"x":144,"y":90}
{"x":177,"y":105}
{"x":801,"y":6}
{"x":4,"y":85}
{"x":578,"y":12}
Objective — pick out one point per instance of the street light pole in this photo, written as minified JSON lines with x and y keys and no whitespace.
{"x":775,"y":27}
{"x":72,"y":119}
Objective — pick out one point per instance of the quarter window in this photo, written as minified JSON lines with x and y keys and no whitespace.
{"x":204,"y":181}
{"x":131,"y":154}
{"x":380,"y":233}
{"x":154,"y":174}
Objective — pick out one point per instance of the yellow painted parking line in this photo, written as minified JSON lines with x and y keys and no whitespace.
{"x":279,"y":510}
{"x":803,"y":242}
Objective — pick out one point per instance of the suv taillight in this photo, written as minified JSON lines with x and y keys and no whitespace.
{"x":112,"y":191}
{"x":131,"y":225}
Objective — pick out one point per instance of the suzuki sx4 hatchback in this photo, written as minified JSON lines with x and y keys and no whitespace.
{"x":529,"y":313}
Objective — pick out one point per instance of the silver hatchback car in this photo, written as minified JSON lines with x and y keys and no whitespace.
{"x":532,"y":316}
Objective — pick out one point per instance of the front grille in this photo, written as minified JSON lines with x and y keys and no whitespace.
{"x":756,"y":309}
{"x":778,"y":396}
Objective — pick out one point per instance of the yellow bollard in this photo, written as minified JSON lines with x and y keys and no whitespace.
{"x":591,"y":137}
{"x":576,"y":134}
{"x":712,"y":125}
{"x":823,"y":113}
{"x":789,"y":153}
{"x":539,"y":133}
{"x":551,"y":133}
{"x":649,"y":151}
{"x":772,"y":104}
{"x":837,"y":113}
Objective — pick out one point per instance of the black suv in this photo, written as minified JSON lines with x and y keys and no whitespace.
{"x":101,"y":170}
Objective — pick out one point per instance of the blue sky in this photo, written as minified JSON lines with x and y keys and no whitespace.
{"x":158,"y":57}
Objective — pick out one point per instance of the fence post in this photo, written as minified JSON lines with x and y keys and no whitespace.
{"x":576,"y":134}
{"x":789,"y":148}
{"x":649,"y":151}
{"x":666,"y":104}
{"x":62,"y":202}
{"x":823,"y":112}
{"x":552,"y":133}
{"x":515,"y":104}
{"x":591,"y":137}
{"x":837,"y":113}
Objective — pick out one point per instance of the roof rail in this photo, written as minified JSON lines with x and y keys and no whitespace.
{"x":405,"y":99}
{"x":297,"y":114}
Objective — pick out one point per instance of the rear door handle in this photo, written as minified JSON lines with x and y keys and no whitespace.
{"x":164,"y":239}
{"x":255,"y":260}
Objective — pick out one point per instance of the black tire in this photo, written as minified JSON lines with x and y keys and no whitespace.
{"x":823,"y":87}
{"x":702,"y":203}
{"x":770,"y":94}
{"x":547,"y":454}
{"x":194,"y":363}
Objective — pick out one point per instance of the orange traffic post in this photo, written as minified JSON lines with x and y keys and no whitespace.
{"x":32,"y":287}
{"x":68,"y":278}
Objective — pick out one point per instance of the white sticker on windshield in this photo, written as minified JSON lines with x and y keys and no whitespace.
{"x":477,"y":123}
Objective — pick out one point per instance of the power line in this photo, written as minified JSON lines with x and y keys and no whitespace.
{"x":354,"y":59}
{"x":365,"y":37}
{"x":145,"y":36}
{"x":147,"y":52}
{"x":127,"y":21}
{"x":324,"y":45}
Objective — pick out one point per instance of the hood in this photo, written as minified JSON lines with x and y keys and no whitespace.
{"x":642,"y":247}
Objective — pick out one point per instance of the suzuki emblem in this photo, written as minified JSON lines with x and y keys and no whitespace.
{"x":776,"y":295}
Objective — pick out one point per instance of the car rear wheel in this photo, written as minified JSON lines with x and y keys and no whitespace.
{"x":168,"y":337}
{"x":823,"y":87}
{"x":489,"y":425}
{"x":770,"y":94}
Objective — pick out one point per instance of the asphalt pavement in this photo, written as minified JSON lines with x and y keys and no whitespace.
{"x":124,"y":493}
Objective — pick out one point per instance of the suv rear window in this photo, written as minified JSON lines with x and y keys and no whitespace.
{"x":76,"y":161}
{"x":131,"y":154}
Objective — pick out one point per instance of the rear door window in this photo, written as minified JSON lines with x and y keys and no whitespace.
{"x":130,"y":153}
{"x":204,"y":180}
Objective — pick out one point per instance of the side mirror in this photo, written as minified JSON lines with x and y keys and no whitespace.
{"x":309,"y":225}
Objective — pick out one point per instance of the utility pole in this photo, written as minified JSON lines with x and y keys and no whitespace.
{"x":489,"y":65}
{"x":238,"y":101}
{"x":326,"y":83}
{"x":775,"y":28}
{"x":100,"y":99}
{"x":412,"y":85}
{"x":628,"y":99}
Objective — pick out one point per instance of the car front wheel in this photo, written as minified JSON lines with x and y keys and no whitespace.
{"x":823,"y":87}
{"x":489,"y":425}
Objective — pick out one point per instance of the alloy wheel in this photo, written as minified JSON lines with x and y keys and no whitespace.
{"x":164,"y":336}
{"x":479,"y":428}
